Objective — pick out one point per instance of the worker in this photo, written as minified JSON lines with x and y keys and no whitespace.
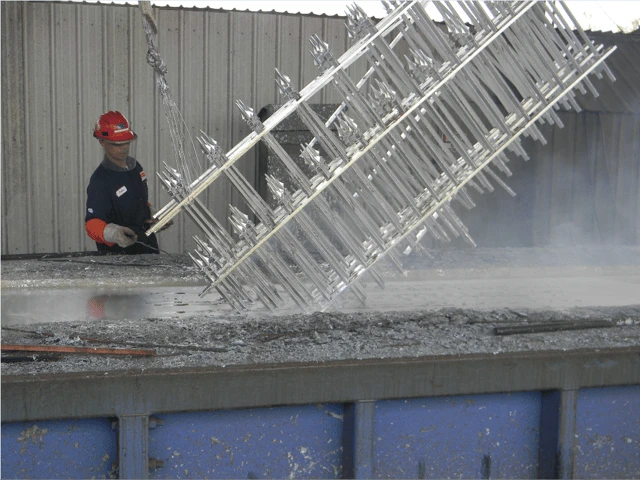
{"x":118,"y":210}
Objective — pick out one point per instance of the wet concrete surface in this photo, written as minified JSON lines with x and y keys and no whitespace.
{"x":448,"y":304}
{"x":34,"y":306}
{"x":485,"y":289}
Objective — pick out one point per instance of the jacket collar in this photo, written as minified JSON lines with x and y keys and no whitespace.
{"x":109,"y":165}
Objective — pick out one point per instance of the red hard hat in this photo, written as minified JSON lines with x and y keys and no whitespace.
{"x":113,"y":127}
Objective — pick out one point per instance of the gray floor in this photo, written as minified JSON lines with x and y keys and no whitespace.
{"x":449,"y":304}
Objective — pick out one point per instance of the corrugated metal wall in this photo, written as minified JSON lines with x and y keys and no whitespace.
{"x":65,"y":64}
{"x":583,"y":187}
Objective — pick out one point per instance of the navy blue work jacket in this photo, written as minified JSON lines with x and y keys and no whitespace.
{"x":120,"y":195}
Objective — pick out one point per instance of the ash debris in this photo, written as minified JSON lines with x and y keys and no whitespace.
{"x":319,"y":337}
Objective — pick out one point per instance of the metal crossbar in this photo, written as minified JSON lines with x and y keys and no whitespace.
{"x":413,"y":135}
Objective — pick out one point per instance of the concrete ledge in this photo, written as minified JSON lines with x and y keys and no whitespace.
{"x":134,"y":392}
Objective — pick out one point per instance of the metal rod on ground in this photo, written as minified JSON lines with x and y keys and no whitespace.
{"x":80,"y":350}
{"x":553,"y":326}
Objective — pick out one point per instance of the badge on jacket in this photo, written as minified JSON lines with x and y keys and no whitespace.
{"x":121,"y":191}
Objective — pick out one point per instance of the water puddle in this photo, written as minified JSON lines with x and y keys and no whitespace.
{"x":30,"y":306}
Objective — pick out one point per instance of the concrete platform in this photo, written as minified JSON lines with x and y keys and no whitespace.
{"x":449,"y":304}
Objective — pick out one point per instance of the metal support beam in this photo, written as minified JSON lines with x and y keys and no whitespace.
{"x":566,"y":433}
{"x":548,"y":438}
{"x":358,"y":439}
{"x":557,"y":450}
{"x":133,"y":438}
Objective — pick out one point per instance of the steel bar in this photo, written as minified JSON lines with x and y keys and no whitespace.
{"x":79,"y":350}
{"x":552,"y":326}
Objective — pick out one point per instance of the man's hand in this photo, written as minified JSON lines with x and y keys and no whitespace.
{"x":123,"y":236}
{"x":152,"y":220}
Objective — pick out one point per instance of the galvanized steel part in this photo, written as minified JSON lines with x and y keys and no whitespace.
{"x":439,"y":112}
